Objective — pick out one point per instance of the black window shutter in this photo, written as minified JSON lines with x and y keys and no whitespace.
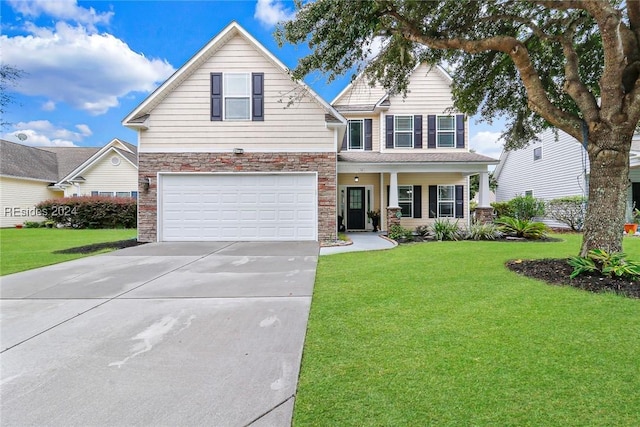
{"x":431,"y":131}
{"x":433,"y":201}
{"x":216,"y":96}
{"x":389,"y":131}
{"x":388,"y":192}
{"x":344,"y":140}
{"x":417,"y":131}
{"x":417,"y":201}
{"x":459,"y":201}
{"x":257,"y":93}
{"x":460,"y":131}
{"x":368,"y":134}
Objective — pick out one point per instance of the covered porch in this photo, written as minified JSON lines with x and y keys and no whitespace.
{"x":408,"y":189}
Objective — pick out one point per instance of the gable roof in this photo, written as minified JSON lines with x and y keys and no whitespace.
{"x":138,"y":117}
{"x":383,"y":98}
{"x":56,"y":164}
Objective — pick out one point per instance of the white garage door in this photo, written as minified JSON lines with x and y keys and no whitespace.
{"x":205,"y":207}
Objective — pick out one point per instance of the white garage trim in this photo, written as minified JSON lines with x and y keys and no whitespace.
{"x":257,"y":206}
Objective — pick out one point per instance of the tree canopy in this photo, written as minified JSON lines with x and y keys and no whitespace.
{"x":509,"y":58}
{"x":8,"y":77}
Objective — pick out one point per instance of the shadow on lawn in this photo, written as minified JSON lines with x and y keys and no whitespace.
{"x":87,"y":249}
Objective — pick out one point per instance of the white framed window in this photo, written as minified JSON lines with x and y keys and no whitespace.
{"x":537,"y":153}
{"x":237,"y":96}
{"x":405,"y":200}
{"x":528,"y":193}
{"x":446,"y":201}
{"x":446,"y":131}
{"x":403,"y":131}
{"x":356,"y":135}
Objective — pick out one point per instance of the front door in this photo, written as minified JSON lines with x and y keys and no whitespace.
{"x":355,"y":208}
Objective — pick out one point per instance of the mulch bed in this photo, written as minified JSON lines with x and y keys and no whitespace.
{"x":557,"y":272}
{"x":87,"y":249}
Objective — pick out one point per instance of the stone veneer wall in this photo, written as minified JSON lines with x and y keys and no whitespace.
{"x":149,"y":164}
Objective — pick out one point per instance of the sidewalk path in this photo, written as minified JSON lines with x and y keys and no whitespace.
{"x":362,"y":241}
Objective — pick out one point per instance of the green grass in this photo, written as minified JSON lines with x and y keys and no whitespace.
{"x":27,"y":248}
{"x":443,"y":334}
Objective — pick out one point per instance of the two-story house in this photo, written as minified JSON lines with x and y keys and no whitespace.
{"x":231,"y":148}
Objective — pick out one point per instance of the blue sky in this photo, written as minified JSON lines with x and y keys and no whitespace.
{"x":89,"y":63}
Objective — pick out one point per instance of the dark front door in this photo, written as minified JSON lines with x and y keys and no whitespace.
{"x":355,"y":208}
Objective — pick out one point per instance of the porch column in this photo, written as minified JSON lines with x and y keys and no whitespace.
{"x":484,"y":211}
{"x":393,"y":208}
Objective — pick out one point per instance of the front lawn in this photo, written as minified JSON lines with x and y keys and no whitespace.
{"x":27,"y":248}
{"x":442,"y":333}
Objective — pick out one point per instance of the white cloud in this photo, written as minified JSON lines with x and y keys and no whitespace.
{"x":486,"y":142}
{"x":85,"y":70}
{"x":49,"y":106}
{"x":45,"y":133}
{"x":270,"y":12}
{"x":67,"y":10}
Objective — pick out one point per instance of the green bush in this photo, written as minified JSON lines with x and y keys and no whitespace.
{"x":397,"y":232}
{"x":91,"y":212}
{"x":608,"y":264}
{"x":483,"y":232}
{"x":444,"y":229}
{"x":522,"y":228}
{"x":568,"y":210}
{"x":32,"y":224}
{"x":502,"y":209}
{"x":527,"y":207}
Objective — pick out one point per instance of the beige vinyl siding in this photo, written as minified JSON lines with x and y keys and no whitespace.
{"x":429,"y":94}
{"x":103,"y":176}
{"x":181,"y":122}
{"x":24,"y":195}
{"x":560,"y":172}
{"x":360,"y":93}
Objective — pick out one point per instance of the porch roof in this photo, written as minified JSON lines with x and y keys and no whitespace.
{"x":401,"y":158}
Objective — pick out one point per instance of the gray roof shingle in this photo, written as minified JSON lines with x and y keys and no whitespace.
{"x":375,"y":157}
{"x":27,"y":162}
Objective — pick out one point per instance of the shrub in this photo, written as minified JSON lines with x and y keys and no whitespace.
{"x":423,"y":231}
{"x":397,"y":232}
{"x":32,"y":224}
{"x":608,"y":264}
{"x":526,"y":207}
{"x":502,"y":209}
{"x":522,"y":228}
{"x":483,"y":232}
{"x":91,"y":212}
{"x":568,"y":210}
{"x":443,"y":229}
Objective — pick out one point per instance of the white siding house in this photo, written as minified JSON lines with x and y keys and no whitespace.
{"x":557,"y":166}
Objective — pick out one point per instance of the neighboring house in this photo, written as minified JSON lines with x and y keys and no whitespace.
{"x":30,"y":175}
{"x":555,"y":166}
{"x":231,"y":148}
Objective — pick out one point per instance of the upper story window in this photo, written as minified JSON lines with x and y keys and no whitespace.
{"x":446,"y":132}
{"x":359,"y":135}
{"x":537,"y":153}
{"x":403,"y":136}
{"x":403,"y":131}
{"x":356,"y":135}
{"x":237,"y":96}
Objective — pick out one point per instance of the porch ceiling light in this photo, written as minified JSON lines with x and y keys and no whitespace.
{"x":356,"y":179}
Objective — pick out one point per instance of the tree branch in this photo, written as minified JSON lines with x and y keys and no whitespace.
{"x":537,"y":97}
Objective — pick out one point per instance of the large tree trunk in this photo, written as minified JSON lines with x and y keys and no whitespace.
{"x":608,"y":188}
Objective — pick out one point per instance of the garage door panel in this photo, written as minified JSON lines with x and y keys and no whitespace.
{"x":238,"y":207}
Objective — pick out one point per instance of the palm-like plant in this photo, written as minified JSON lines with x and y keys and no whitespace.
{"x":522,"y":228}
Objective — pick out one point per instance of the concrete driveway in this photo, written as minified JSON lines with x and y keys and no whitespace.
{"x":180,"y":334}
